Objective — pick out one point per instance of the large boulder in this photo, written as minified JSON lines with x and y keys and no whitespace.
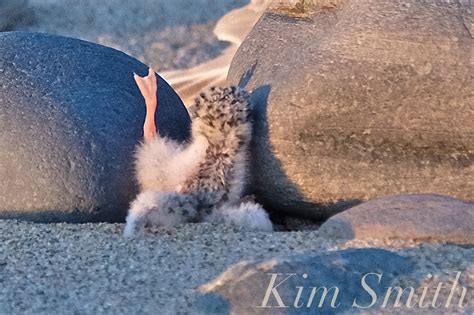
{"x":70,"y":117}
{"x":246,"y":288}
{"x":11,"y":11}
{"x":414,"y":216}
{"x":358,"y":99}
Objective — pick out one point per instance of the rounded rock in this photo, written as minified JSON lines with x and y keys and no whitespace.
{"x":70,"y":118}
{"x":359,"y":99}
{"x":421,"y":217}
{"x":281,"y":283}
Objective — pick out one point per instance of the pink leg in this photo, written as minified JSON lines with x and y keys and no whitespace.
{"x":148,"y":88}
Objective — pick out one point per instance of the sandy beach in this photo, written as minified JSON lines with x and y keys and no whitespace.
{"x":91,"y":268}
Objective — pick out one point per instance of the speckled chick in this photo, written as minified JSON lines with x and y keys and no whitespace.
{"x":203,"y":180}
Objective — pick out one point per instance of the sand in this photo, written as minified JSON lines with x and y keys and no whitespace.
{"x":91,"y":268}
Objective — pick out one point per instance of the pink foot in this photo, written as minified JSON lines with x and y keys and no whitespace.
{"x":148,"y":88}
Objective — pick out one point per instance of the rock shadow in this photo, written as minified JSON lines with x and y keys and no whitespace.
{"x":268,"y":181}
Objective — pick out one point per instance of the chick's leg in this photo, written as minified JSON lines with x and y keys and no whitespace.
{"x":148,"y":88}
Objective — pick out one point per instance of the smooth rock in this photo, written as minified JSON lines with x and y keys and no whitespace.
{"x":70,"y":117}
{"x":421,"y":217}
{"x":358,"y":99}
{"x":246,"y":288}
{"x":10,"y":11}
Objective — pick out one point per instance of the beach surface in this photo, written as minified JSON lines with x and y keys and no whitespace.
{"x":92,"y":268}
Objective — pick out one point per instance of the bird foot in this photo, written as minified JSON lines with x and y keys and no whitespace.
{"x":148,"y":88}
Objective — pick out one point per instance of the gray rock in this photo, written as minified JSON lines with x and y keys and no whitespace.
{"x":363,"y":99}
{"x":417,"y":217}
{"x":70,"y":117}
{"x":10,"y":11}
{"x":246,"y":287}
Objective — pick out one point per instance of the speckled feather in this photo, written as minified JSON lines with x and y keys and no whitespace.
{"x":222,"y":116}
{"x":208,"y":174}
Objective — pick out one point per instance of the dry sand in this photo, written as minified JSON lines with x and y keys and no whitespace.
{"x":91,"y":268}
